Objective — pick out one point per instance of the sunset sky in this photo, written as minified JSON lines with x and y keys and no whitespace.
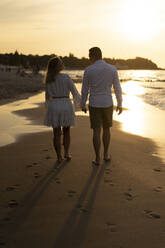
{"x":121,"y":28}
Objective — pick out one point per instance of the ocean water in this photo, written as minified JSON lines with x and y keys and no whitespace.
{"x":153,"y":83}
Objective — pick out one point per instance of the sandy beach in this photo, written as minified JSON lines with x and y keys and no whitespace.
{"x":112,"y":53}
{"x":116,"y":205}
{"x":14,"y":86}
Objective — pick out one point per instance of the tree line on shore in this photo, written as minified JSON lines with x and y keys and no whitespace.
{"x":71,"y":62}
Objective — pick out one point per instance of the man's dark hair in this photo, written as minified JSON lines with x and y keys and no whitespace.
{"x":95,"y":52}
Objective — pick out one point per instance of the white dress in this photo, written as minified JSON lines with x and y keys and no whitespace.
{"x":59,"y":108}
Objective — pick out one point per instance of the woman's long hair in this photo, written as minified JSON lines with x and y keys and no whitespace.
{"x":52,"y":69}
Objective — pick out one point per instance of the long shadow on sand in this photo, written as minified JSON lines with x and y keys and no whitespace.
{"x":73,"y":232}
{"x":18,"y":216}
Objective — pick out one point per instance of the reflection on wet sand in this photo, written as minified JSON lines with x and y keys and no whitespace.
{"x":13,"y":125}
{"x":133,"y":120}
{"x":141,"y":118}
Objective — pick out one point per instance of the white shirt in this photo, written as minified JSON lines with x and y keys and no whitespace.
{"x":62,"y":86}
{"x":97,"y":82}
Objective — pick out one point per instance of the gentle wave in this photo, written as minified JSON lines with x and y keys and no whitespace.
{"x":155,"y":100}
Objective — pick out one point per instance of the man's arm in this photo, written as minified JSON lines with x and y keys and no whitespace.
{"x":75,"y":94}
{"x":118,"y":92}
{"x":84,"y":92}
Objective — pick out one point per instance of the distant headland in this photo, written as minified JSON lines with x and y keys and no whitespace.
{"x":72,"y":62}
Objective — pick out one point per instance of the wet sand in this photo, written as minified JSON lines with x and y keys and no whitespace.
{"x":119,"y":204}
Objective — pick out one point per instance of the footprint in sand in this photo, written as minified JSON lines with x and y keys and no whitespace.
{"x":107,"y":171}
{"x":12,"y":188}
{"x":155,"y":216}
{"x":35,"y":163}
{"x":147,"y":211}
{"x":71,"y":193}
{"x":57,"y":180}
{"x":48,"y":157}
{"x":158,"y":170}
{"x":112,"y":227}
{"x":29,"y":166}
{"x":158,"y":189}
{"x":107,"y":180}
{"x":37,"y":175}
{"x":150,"y":214}
{"x":12,"y":204}
{"x":128,"y":196}
{"x":45,"y":150}
{"x":84,"y":210}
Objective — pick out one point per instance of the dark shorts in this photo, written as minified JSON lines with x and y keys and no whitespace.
{"x":101,"y":117}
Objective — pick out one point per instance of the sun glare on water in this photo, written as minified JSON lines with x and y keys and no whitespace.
{"x":139,"y":19}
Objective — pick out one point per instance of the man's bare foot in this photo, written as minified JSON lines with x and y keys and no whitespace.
{"x":107,"y":158}
{"x":68,"y":157}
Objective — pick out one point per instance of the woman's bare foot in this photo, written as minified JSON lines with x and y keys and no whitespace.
{"x":96,"y":161}
{"x":59,"y":159}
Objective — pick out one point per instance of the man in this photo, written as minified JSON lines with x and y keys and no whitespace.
{"x":97,"y":81}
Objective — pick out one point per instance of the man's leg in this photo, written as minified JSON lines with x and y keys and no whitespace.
{"x":106,"y":142}
{"x":107,"y":123}
{"x":57,"y":141}
{"x":97,"y":143}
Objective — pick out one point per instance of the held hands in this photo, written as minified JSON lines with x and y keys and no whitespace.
{"x":84,"y":109}
{"x":119,"y":110}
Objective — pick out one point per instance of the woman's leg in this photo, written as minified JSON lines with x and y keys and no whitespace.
{"x":57,"y":141}
{"x":66,"y":141}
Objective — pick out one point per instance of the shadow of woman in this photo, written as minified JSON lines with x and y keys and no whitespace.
{"x":19,"y":215}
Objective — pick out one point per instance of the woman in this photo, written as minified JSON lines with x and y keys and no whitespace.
{"x":59,"y":114}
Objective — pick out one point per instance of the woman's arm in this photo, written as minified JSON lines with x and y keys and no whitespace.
{"x":46,"y":94}
{"x":75,"y":93}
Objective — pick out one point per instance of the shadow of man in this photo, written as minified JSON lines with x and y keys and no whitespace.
{"x":74,"y":230}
